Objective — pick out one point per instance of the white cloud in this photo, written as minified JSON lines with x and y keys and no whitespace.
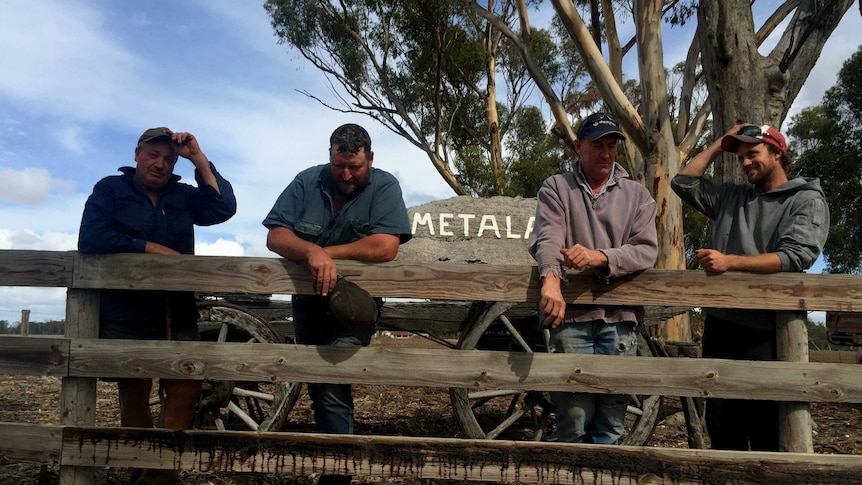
{"x":70,"y":138}
{"x":220,"y":247}
{"x":28,"y":186}
{"x":45,"y":241}
{"x":62,"y":62}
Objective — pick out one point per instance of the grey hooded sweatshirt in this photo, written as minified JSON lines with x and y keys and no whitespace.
{"x":791,"y":220}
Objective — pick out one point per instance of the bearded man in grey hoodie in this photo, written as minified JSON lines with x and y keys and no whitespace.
{"x":771,"y":224}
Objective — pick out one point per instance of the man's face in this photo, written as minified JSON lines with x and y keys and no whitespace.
{"x":597,"y":157}
{"x":758,"y":163}
{"x":155,"y":164}
{"x":351,"y":171}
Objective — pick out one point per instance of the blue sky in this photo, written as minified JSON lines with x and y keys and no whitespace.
{"x":81,"y":79}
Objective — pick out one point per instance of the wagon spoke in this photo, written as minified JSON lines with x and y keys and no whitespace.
{"x":513,"y":418}
{"x":495,"y":393}
{"x":238,"y":391}
{"x":516,"y":335}
{"x":236,"y":410}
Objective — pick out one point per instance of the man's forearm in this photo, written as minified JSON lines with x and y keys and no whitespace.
{"x":759,"y":263}
{"x":375,"y":248}
{"x":284,"y":242}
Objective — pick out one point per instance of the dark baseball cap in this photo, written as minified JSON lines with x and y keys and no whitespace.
{"x":154,"y":133}
{"x":754,"y":134}
{"x":598,"y":125}
{"x":351,"y":305}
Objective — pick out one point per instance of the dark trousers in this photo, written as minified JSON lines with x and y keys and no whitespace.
{"x":738,"y":424}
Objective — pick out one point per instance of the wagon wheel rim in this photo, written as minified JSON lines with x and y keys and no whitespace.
{"x":527,"y":414}
{"x":241,"y":405}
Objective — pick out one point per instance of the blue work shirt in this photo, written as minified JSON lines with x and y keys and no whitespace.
{"x":120,"y":218}
{"x":306,"y":208}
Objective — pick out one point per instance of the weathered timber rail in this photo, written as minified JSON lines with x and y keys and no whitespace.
{"x":79,"y":358}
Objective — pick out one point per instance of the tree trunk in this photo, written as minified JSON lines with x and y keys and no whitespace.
{"x":745,"y":86}
{"x":662,"y":157}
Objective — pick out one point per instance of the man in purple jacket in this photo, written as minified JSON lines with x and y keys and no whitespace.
{"x":593,"y":217}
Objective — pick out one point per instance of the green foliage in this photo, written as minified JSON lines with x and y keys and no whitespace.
{"x":828,"y":139}
{"x":426,"y":71}
{"x":51,"y":327}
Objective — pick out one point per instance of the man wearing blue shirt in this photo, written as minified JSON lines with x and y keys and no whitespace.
{"x":147,"y":210}
{"x":341,"y":210}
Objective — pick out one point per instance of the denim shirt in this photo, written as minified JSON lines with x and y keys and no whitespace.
{"x":120,"y":218}
{"x":306,"y":208}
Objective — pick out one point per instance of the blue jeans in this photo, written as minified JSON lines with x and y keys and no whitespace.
{"x":584,"y":417}
{"x":314,"y":325}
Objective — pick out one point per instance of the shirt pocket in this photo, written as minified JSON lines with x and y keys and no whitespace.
{"x":131,"y":217}
{"x":360,"y":228}
{"x":178,"y":220}
{"x":309,"y":230}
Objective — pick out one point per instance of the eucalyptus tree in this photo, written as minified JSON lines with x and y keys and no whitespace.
{"x":828,"y":139}
{"x":433,"y":72}
{"x":725,"y":44}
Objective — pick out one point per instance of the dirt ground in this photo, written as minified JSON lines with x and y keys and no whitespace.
{"x":379,"y":410}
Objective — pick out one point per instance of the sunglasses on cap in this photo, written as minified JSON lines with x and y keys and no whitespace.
{"x":602,"y":118}
{"x":757,"y":131}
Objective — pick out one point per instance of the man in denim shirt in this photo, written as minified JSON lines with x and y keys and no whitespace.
{"x":147,"y":210}
{"x":341,"y":210}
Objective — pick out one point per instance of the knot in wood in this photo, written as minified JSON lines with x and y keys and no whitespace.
{"x":188,"y":367}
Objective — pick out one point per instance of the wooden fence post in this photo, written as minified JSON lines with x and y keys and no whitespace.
{"x":794,"y":418}
{"x":24,"y":328}
{"x":78,"y":394}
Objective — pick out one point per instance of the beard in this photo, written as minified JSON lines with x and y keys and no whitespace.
{"x":354,"y":186}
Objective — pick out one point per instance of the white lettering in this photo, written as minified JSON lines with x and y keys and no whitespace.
{"x":423,"y":219}
{"x":530,"y":223}
{"x":509,"y":229}
{"x":444,"y":224}
{"x":467,"y":218}
{"x":489,"y":222}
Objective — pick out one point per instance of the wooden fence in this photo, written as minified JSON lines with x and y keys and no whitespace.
{"x":78,"y":358}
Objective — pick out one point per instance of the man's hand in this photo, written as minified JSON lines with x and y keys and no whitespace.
{"x":552,"y":303}
{"x":156,"y":248}
{"x":186,"y":145}
{"x":580,"y":257}
{"x":323,"y":271}
{"x":713,"y":261}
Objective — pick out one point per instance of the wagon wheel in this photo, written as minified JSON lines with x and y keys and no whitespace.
{"x":516,"y":414}
{"x":242,"y":405}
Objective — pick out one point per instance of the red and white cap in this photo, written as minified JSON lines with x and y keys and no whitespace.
{"x":754,"y":134}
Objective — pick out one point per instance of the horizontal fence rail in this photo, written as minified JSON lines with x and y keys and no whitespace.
{"x":436,"y":281}
{"x":79,"y":358}
{"x":475,"y":370}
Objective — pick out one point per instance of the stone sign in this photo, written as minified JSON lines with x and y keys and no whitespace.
{"x":464,"y":229}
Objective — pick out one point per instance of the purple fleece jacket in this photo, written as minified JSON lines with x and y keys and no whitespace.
{"x":620,"y":222}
